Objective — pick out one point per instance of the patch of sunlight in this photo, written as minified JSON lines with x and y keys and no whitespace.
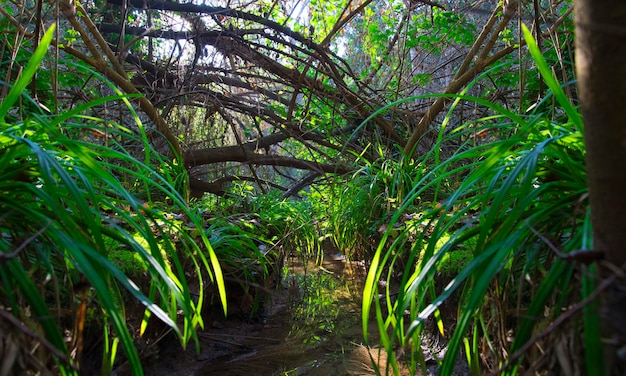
{"x":453,"y":261}
{"x":129,"y":261}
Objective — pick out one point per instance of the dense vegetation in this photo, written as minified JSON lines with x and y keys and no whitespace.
{"x":164,"y":154}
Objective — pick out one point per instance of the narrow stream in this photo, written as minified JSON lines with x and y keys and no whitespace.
{"x":311,"y":325}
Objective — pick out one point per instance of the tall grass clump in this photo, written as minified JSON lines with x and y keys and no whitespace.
{"x":519,"y":204}
{"x":63,"y":209}
{"x":354,"y":209}
{"x":253,"y":237}
{"x":355,"y":212}
{"x":275,"y":223}
{"x":288,"y":223}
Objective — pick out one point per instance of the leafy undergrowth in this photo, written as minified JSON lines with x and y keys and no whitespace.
{"x":517,"y":203}
{"x":68,"y":201}
{"x":475,"y":247}
{"x":268,"y":280}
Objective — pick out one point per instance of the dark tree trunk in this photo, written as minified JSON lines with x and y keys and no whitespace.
{"x":601,"y":69}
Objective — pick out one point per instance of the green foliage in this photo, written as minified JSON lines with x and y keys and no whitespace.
{"x":324,"y":15}
{"x":27,"y":75}
{"x":474,"y":221}
{"x":514,"y":199}
{"x":64,"y":206}
{"x":353,"y":210}
{"x":288,"y":222}
{"x":252,"y":236}
{"x":433,"y":32}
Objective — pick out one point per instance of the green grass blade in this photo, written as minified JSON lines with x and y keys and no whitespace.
{"x":27,"y":74}
{"x":550,"y":80}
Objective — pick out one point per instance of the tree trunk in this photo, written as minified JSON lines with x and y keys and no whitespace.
{"x":601,"y":70}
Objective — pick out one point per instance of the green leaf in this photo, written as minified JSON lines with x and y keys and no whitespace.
{"x":551,"y":81}
{"x":27,"y":74}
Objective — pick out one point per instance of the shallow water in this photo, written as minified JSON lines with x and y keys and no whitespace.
{"x":310,"y":325}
